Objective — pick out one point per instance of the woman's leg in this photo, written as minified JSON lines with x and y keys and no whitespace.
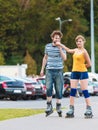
{"x":74,"y":84}
{"x":84,"y":85}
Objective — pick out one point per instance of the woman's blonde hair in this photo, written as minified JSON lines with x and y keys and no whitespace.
{"x":80,"y":36}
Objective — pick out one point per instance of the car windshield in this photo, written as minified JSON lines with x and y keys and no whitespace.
{"x":3,"y":78}
{"x":92,"y":83}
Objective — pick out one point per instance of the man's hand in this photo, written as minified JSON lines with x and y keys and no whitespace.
{"x":42,"y":73}
{"x":57,"y":43}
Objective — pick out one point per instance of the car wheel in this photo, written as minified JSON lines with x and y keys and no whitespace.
{"x":44,"y":97}
{"x":14,"y":98}
{"x":66,"y":94}
{"x":33,"y":97}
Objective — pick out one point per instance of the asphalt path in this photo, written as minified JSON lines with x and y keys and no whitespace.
{"x":53,"y":122}
{"x":40,"y":103}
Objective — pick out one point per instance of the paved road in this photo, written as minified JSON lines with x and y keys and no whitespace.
{"x":53,"y":122}
{"x":40,"y":103}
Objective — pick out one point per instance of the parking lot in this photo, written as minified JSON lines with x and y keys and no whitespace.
{"x":28,"y":88}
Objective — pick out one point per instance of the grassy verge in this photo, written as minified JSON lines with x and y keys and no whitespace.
{"x":15,"y":113}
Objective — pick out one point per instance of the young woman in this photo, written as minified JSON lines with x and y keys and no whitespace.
{"x":81,"y":61}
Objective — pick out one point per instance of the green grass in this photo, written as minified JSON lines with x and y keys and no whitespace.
{"x":16,"y":113}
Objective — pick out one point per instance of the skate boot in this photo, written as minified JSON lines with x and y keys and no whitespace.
{"x":49,"y":109}
{"x":88,"y":113}
{"x":58,"y":109}
{"x":70,"y":113}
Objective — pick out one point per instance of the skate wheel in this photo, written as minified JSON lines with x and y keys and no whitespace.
{"x":48,"y":113}
{"x":69,"y":116}
{"x":60,"y":114}
{"x":88,"y":116}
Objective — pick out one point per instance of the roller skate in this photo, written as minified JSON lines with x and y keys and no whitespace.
{"x":58,"y":109}
{"x":70,"y":113}
{"x":49,"y":109}
{"x":88,"y":113}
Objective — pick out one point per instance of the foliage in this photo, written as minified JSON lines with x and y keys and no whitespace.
{"x":2,"y":60}
{"x":15,"y":59}
{"x":27,"y":25}
{"x":32,"y":67}
{"x":96,"y":52}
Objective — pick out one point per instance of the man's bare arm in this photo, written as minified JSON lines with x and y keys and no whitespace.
{"x":44,"y":62}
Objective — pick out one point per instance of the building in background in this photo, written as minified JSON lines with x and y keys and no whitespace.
{"x":13,"y":70}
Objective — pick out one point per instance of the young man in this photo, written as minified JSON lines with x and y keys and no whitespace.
{"x":53,"y":61}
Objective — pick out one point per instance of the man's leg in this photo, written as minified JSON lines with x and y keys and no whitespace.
{"x":59,"y":87}
{"x":49,"y":85}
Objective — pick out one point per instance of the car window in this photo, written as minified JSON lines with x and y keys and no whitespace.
{"x":3,"y":78}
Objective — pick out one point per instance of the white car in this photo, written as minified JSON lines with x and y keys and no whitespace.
{"x":93,"y":88}
{"x":93,"y":76}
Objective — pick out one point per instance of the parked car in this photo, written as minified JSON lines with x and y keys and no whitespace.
{"x":30,"y":88}
{"x":93,"y":88}
{"x":67,"y":87}
{"x":67,"y":74}
{"x":79,"y":89}
{"x":42,"y":81}
{"x":40,"y":88}
{"x":10,"y":88}
{"x":93,"y":77}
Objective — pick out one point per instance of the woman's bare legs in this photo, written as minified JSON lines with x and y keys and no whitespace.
{"x":84,"y":86}
{"x":74,"y":84}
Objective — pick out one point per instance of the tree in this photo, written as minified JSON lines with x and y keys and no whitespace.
{"x":32,"y":67}
{"x":2,"y":60}
{"x":9,"y":26}
{"x":27,"y":25}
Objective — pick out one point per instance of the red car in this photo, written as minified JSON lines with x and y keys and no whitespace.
{"x":42,"y":81}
